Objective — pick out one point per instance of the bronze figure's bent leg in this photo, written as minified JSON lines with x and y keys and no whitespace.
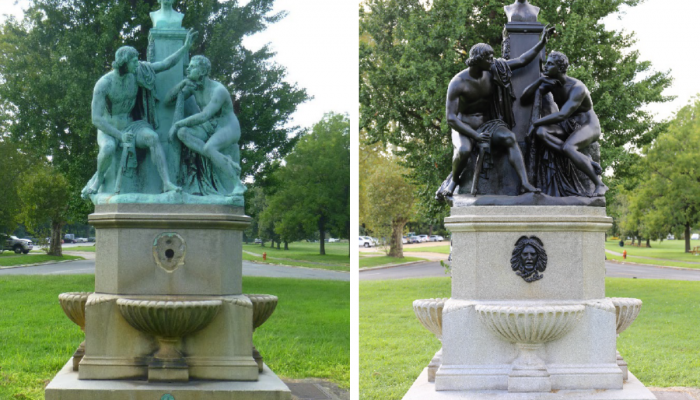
{"x":194,"y":138}
{"x":549,"y":135}
{"x":579,"y":139}
{"x":504,"y":138}
{"x":108,"y":147}
{"x":145,"y":137}
{"x":462,"y":150}
{"x":223,"y":137}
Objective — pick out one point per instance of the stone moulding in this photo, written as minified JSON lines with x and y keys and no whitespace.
{"x":543,"y":223}
{"x":533,"y":325}
{"x":429,"y":313}
{"x":626,"y":311}
{"x":170,"y":221}
{"x":263,"y":307}
{"x":239,"y":301}
{"x":73,"y":304}
{"x":601,"y":304}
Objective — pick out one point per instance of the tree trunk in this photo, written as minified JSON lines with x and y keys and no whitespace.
{"x":395,"y":242}
{"x":687,"y":238}
{"x":322,"y":235}
{"x":286,"y":245}
{"x":648,"y":244}
{"x":430,"y":230}
{"x":55,"y":248}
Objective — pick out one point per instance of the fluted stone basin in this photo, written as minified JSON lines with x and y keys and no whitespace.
{"x":429,"y":313}
{"x":529,"y":328}
{"x":626,"y":311}
{"x":168,"y":322}
{"x":73,"y":304}
{"x":263,"y":307}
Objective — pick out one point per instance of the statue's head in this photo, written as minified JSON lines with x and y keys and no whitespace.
{"x":557,"y":64}
{"x":480,"y":55}
{"x":126,"y":60}
{"x":529,"y":258}
{"x":199,"y":68}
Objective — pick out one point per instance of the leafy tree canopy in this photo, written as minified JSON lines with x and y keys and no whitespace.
{"x":312,"y":191}
{"x":50,"y":61}
{"x":410,"y":49}
{"x":667,"y":199}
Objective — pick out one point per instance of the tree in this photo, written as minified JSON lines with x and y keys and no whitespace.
{"x":668,"y":198}
{"x":50,"y":61}
{"x":45,"y":193}
{"x":313,"y":191}
{"x":410,"y":49}
{"x":387,"y":199}
{"x":13,"y":163}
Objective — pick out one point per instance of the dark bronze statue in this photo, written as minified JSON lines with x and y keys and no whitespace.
{"x":572,"y":128}
{"x":480,"y":111}
{"x":529,"y":258}
{"x":521,"y":11}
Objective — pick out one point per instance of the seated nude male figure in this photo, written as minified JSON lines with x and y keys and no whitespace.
{"x":215,"y":127}
{"x":575,"y":126}
{"x":114,"y":111}
{"x":470,"y":97}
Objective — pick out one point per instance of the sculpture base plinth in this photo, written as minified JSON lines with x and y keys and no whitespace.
{"x":633,"y":389}
{"x":66,"y":386}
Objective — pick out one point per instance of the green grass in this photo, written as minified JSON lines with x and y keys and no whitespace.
{"x":651,"y":261}
{"x":662,"y":347}
{"x":307,"y":336}
{"x":303,"y":254}
{"x":432,"y":249}
{"x":23,"y":259}
{"x":80,"y":248}
{"x":367,"y":262}
{"x":668,"y":250}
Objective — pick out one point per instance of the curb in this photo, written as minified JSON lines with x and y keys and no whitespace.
{"x":394,"y":265}
{"x":296,"y":266}
{"x":651,"y":265}
{"x":37,"y":264}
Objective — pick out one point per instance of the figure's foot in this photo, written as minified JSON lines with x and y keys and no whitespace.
{"x":169,"y":187}
{"x":89,"y":191}
{"x":596,"y":168}
{"x":446,"y":189}
{"x":600,"y":190}
{"x":527,"y":188}
{"x":233,"y":165}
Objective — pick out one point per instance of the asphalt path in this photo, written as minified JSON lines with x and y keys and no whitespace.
{"x":613,"y":270}
{"x":249,"y":269}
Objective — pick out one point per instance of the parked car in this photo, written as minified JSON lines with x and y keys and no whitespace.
{"x":436,"y":238}
{"x":81,"y":240}
{"x":91,"y":239}
{"x":404,"y":240}
{"x":366,"y":241}
{"x":257,"y":241}
{"x":413,"y":239}
{"x":670,"y":237}
{"x":695,"y":236}
{"x":9,"y":242}
{"x":423,"y":238}
{"x":69,"y":238}
{"x":333,"y":240}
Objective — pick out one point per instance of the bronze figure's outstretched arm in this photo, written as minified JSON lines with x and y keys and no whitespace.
{"x":176,"y":56}
{"x":530,"y":55}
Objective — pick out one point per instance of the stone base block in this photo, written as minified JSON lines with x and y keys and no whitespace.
{"x":633,"y":389}
{"x":66,"y":386}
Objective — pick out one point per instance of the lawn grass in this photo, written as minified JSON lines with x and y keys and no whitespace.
{"x":303,"y":254}
{"x":307,"y":336}
{"x":662,"y":347}
{"x":23,"y":259}
{"x":431,"y":249}
{"x":651,"y":261}
{"x":374,"y":261}
{"x":80,"y":248}
{"x":668,"y":249}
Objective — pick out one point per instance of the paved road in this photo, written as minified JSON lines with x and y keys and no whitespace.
{"x":614,"y":270}
{"x":249,"y":269}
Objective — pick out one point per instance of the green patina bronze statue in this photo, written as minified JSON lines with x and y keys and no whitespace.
{"x":196,"y":156}
{"x":211,"y":131}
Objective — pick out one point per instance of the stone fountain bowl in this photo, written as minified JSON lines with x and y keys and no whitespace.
{"x":429,"y":313}
{"x":530,"y":324}
{"x":626,"y":310}
{"x":263,"y":307}
{"x":73,"y":304}
{"x":168,"y":319}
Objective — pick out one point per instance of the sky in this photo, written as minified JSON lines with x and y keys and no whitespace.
{"x":316,"y":42}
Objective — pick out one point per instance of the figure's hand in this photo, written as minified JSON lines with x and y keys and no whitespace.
{"x":188,"y":87}
{"x":547,"y":33}
{"x":547,"y":81}
{"x":191,"y":37}
{"x":484,"y":137}
{"x":127,"y":137}
{"x":172,"y":134}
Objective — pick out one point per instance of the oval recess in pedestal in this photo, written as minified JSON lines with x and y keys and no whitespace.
{"x":169,"y":249}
